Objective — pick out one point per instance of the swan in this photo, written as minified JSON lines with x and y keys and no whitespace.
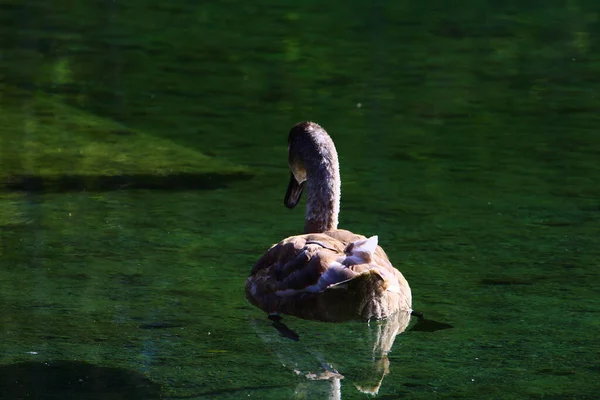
{"x":325,"y":274}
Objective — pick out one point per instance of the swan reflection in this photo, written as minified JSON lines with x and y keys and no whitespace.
{"x":325,"y":354}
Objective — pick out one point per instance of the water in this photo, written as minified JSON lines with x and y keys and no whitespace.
{"x":468,"y":142}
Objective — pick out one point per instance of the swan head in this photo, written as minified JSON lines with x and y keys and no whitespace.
{"x":313,"y":162}
{"x":296,"y":166}
{"x":308,"y":146}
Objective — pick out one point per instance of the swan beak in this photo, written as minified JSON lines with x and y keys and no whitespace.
{"x":294,"y":191}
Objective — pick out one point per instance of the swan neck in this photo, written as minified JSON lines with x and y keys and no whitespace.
{"x":323,"y":192}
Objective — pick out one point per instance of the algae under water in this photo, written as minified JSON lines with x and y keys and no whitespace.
{"x":143,"y":155}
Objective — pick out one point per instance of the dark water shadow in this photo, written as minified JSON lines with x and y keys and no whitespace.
{"x":427,"y":325}
{"x":102,"y":183}
{"x":58,"y":380}
{"x":283,"y":329}
{"x":423,"y":325}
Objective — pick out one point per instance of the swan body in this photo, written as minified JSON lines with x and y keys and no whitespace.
{"x":325,"y":274}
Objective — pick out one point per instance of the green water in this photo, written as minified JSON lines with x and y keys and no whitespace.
{"x":468,"y":141}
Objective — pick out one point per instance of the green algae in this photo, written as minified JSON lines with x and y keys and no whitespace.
{"x":11,"y":212}
{"x":47,"y":144}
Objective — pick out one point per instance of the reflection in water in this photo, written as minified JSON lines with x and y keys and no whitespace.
{"x":428,"y":325}
{"x":356,"y":352}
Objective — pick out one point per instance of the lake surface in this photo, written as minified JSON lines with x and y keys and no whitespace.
{"x":469,"y":141}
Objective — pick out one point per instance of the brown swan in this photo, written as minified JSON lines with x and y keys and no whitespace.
{"x":326,"y":274}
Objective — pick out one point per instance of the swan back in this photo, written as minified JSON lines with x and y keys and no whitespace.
{"x":331,"y":276}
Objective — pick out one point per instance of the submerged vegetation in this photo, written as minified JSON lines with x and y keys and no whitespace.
{"x":46,"y":145}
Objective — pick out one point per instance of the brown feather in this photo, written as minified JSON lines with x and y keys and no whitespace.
{"x":298,"y":262}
